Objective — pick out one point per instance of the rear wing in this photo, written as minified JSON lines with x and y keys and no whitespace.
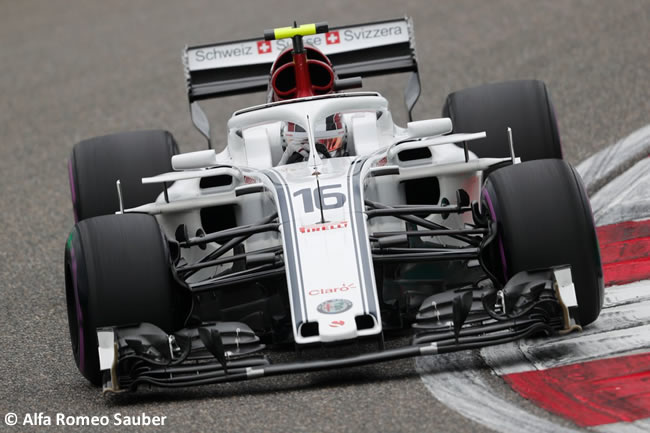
{"x":361,"y":50}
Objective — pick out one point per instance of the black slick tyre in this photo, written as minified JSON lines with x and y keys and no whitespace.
{"x":525,"y":106}
{"x":97,"y":163}
{"x":118,"y":272}
{"x":544,"y":219}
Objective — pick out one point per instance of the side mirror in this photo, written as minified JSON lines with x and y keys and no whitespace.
{"x":194,"y":160}
{"x":429,"y":127}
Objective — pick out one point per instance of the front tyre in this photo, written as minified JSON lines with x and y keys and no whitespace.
{"x":118,"y":272}
{"x":544,"y":219}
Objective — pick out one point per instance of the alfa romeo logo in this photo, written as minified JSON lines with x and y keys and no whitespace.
{"x":334,"y":306}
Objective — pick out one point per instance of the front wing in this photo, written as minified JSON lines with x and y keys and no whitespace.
{"x":534,"y":303}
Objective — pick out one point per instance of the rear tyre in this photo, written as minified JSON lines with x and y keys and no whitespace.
{"x":97,"y":163}
{"x":544,"y":219}
{"x":525,"y":106}
{"x":118,"y":272}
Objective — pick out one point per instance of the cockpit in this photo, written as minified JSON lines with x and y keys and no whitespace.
{"x":330,"y":126}
{"x":330,"y":139}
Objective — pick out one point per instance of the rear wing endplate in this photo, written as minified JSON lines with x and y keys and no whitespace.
{"x":238,"y":67}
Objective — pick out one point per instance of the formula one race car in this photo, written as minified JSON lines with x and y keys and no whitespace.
{"x":323,"y":223}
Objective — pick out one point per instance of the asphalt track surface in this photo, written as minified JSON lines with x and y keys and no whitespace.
{"x":75,"y":69}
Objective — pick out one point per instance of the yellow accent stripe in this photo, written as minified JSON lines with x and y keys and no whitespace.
{"x":289,"y":32}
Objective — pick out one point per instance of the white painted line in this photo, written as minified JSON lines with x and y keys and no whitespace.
{"x":603,"y":166}
{"x":626,"y":294}
{"x":639,"y":426}
{"x":626,"y":198}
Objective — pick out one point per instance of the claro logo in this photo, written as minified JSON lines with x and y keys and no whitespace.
{"x":343,"y":288}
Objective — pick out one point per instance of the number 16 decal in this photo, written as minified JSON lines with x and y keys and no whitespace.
{"x":331,"y":200}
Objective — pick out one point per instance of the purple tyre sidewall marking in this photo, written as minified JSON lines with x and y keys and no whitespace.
{"x":82,"y":360}
{"x":502,"y":251}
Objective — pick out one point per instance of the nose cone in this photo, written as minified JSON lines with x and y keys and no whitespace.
{"x":337,"y":327}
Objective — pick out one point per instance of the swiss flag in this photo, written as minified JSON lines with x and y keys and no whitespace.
{"x":332,"y":38}
{"x":264,"y":47}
